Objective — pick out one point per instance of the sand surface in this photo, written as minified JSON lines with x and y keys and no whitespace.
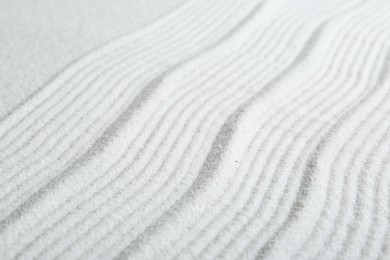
{"x":199,"y":129}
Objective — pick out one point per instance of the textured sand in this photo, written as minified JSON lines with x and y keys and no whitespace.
{"x":225,"y":129}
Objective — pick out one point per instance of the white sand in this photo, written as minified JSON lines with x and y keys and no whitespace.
{"x":225,"y":129}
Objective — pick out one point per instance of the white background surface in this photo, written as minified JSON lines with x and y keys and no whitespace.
{"x":40,"y":38}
